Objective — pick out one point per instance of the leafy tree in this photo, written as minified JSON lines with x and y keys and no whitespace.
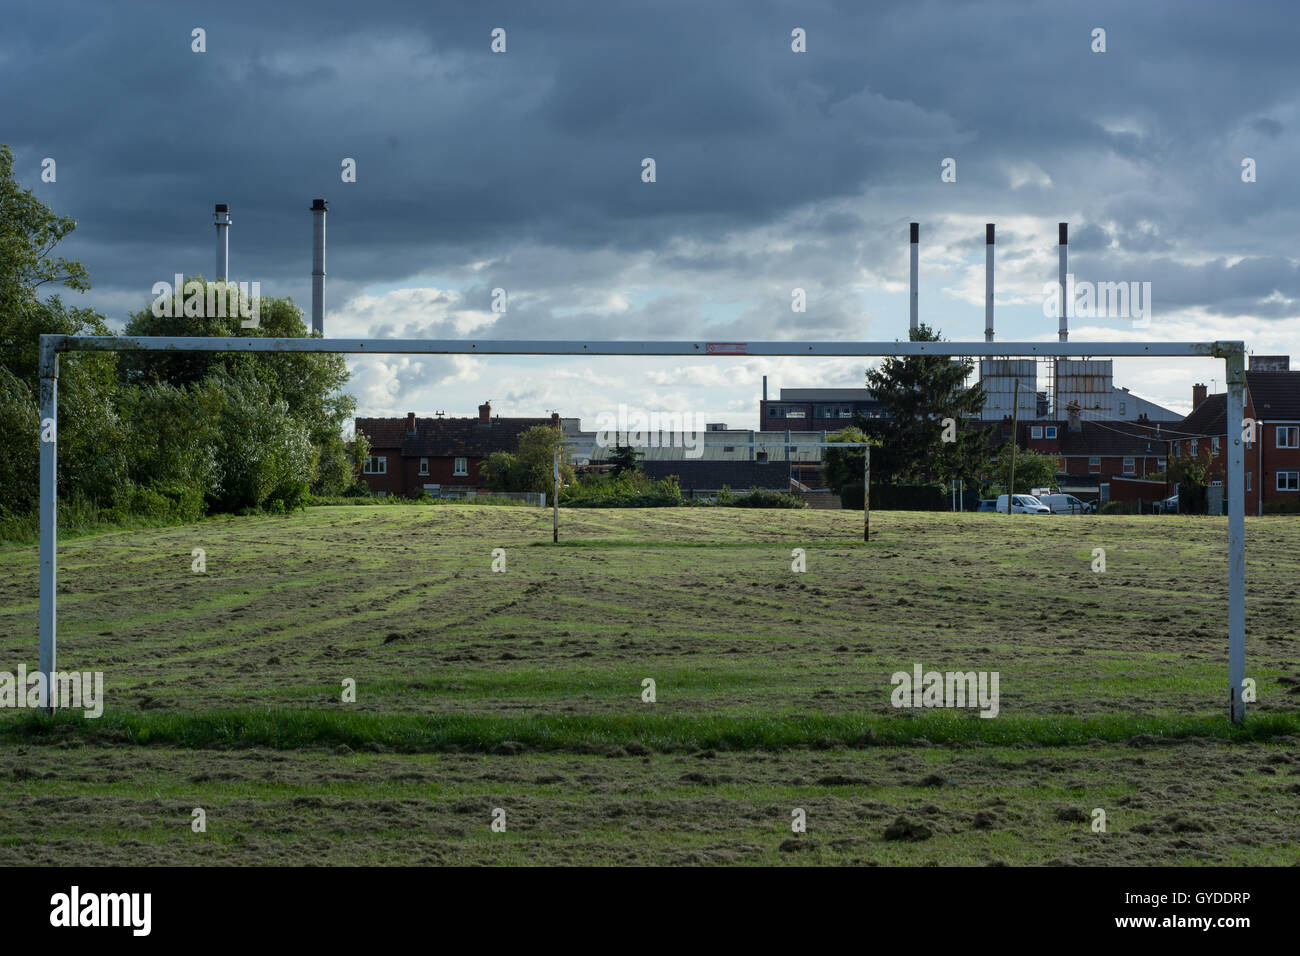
{"x":90,"y":460}
{"x":842,"y":467}
{"x":623,"y":458}
{"x":531,"y":466}
{"x":1033,"y":470}
{"x":1193,"y":479}
{"x":917,"y":393}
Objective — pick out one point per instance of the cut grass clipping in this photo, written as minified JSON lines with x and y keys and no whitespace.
{"x":412,"y":733}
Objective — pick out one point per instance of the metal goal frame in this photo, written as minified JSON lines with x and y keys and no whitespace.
{"x":1232,"y":352}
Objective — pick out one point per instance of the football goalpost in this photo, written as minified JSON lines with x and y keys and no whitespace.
{"x":1233,"y":354}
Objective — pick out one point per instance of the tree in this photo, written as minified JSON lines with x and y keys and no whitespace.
{"x":1193,"y":480}
{"x":1033,"y":470}
{"x":623,"y":458}
{"x":531,"y":466}
{"x":842,"y":467}
{"x":925,"y":400}
{"x":91,"y":463}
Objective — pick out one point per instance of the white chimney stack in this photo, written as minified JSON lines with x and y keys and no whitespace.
{"x":318,"y":209}
{"x":1063,"y":243}
{"x":916,"y":238}
{"x":222,"y":218}
{"x":988,"y":282}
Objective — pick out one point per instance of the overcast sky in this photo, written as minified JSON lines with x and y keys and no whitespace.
{"x":775,"y":170}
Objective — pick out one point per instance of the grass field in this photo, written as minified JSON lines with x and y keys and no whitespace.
{"x":523,"y":690}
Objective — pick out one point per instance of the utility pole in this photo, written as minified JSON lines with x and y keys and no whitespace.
{"x":1015,"y":410}
{"x":555,"y":502}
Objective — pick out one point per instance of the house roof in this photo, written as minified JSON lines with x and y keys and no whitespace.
{"x":447,"y":437}
{"x":1276,"y":395}
{"x":1112,"y":439}
{"x":1208,"y":418}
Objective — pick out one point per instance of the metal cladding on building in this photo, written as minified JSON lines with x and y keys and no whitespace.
{"x":1089,"y":384}
{"x":999,"y":377}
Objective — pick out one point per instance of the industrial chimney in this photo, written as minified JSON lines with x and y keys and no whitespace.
{"x":1062,"y":243}
{"x":318,"y":210}
{"x":988,"y":282}
{"x":916,"y":238}
{"x":222,"y":218}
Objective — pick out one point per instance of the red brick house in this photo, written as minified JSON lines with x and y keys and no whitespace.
{"x":1272,"y":460}
{"x":409,"y":455}
{"x":1092,"y":453}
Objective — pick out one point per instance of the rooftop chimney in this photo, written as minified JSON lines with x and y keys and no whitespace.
{"x":410,"y":423}
{"x":485,"y":413}
{"x":555,"y":419}
{"x":318,"y":210}
{"x":1198,"y":396}
{"x":221,"y":216}
{"x":764,"y":388}
{"x":988,"y":282}
{"x":916,"y":239}
{"x":1062,"y":244}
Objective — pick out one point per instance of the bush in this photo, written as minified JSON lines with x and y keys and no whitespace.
{"x":1115,"y":508}
{"x":631,"y":489}
{"x":762,"y":498}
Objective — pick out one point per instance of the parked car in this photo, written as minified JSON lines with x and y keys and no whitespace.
{"x":1062,"y":504}
{"x":1170,"y":505}
{"x":1023,"y":505}
{"x":988,"y":504}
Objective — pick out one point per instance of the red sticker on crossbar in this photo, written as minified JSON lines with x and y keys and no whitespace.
{"x":725,"y":348}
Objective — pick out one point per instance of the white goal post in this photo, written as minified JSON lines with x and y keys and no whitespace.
{"x":1233,"y":353}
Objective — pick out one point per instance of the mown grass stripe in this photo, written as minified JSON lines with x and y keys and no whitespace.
{"x":286,"y":729}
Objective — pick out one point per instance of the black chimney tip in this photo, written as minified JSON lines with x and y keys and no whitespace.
{"x":223,"y":207}
{"x":318,"y":204}
{"x":1064,"y":228}
{"x":916,"y":232}
{"x":988,"y":233}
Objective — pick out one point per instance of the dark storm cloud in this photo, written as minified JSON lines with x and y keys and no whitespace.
{"x":464,"y":156}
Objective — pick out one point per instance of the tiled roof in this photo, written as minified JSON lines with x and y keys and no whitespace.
{"x":1208,"y":418}
{"x":1113,"y":439}
{"x":447,"y":437}
{"x":1276,"y":395}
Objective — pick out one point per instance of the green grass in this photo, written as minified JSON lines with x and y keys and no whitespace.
{"x":289,"y":729}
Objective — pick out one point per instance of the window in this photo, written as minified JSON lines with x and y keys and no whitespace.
{"x":1123,"y":408}
{"x":1192,"y":446}
{"x":1214,"y":446}
{"x":1288,"y":481}
{"x":1050,"y":431}
{"x":1094,"y":465}
{"x":1288,"y":436}
{"x":424,"y":466}
{"x":1162,"y":464}
{"x":832,"y":411}
{"x":1128,"y":466}
{"x":788,"y":411}
{"x":1036,"y":431}
{"x":728,"y":448}
{"x":375,"y":465}
{"x":1178,"y":449}
{"x":462,"y":467}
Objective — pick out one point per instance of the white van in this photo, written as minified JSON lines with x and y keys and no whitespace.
{"x":1023,"y":505}
{"x":1065,"y":504}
